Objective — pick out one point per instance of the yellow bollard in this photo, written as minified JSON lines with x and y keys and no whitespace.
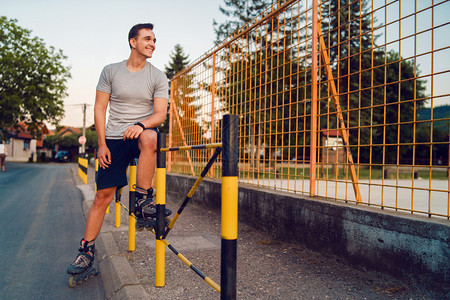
{"x":96,"y":171}
{"x":82,"y":168}
{"x":160,"y":211}
{"x":117,"y":210}
{"x":160,"y":247}
{"x":131,"y":217}
{"x":117,"y":214}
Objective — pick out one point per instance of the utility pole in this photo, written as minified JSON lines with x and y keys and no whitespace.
{"x":83,"y":146}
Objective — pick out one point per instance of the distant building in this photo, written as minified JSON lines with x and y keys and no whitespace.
{"x":66,"y":130}
{"x":22,"y":144}
{"x":333,"y":150}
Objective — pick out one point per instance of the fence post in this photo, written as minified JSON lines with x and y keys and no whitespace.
{"x":313,"y":135}
{"x":132,"y":201}
{"x":229,"y":211}
{"x":160,"y":211}
{"x":169,"y":156}
{"x":213,"y":94}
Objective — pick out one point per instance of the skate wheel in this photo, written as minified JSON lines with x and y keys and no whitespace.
{"x":149,"y":228}
{"x":72,"y":282}
{"x":139,"y":228}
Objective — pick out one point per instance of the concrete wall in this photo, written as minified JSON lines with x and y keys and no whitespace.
{"x":400,"y":244}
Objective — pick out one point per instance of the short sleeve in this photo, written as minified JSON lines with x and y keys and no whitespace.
{"x":104,"y":82}
{"x":161,"y":87}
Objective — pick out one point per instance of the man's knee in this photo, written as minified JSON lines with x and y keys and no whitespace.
{"x":104,"y":197}
{"x":148,"y":140}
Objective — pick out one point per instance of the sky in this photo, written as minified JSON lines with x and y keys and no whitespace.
{"x":95,"y":33}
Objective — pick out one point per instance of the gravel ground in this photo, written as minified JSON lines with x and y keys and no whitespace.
{"x":266,"y":268}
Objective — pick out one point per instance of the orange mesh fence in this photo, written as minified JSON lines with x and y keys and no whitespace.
{"x":347,"y":100}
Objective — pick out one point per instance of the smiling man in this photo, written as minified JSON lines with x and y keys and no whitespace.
{"x":137,"y":94}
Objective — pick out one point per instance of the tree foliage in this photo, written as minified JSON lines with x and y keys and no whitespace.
{"x":238,"y":13}
{"x":378,"y":90}
{"x":179,"y":60}
{"x":266,"y":68}
{"x":70,"y":141}
{"x":32,"y":79}
{"x":380,"y":87}
{"x":185,"y":94}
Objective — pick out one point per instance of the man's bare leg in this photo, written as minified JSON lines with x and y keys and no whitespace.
{"x":82,"y":268}
{"x":147,"y":159}
{"x":97,"y":212}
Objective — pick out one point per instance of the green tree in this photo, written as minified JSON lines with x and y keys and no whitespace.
{"x":263,"y":76}
{"x":51,"y":141}
{"x":239,"y":12}
{"x":32,"y":79}
{"x":70,"y":141}
{"x":91,"y":139}
{"x":179,"y":60}
{"x":379,"y":87}
{"x":185,"y":95}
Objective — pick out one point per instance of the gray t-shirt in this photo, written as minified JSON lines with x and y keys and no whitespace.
{"x":132,"y":95}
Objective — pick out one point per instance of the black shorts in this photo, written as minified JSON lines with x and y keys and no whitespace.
{"x":122,"y":152}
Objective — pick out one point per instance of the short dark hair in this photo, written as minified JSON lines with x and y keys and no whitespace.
{"x":135,"y":30}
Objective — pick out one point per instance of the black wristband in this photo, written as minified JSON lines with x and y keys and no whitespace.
{"x":140,"y":124}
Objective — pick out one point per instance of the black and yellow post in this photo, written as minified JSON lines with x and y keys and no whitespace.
{"x":229,"y":211}
{"x":131,"y":216}
{"x":96,"y":172}
{"x":117,"y":198}
{"x":83,"y":167}
{"x":160,"y":211}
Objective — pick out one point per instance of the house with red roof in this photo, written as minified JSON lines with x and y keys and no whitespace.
{"x":23,"y":143}
{"x":66,"y":130}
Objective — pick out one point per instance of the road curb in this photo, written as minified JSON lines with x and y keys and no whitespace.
{"x":119,"y":279}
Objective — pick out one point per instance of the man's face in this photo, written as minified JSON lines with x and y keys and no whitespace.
{"x":144,"y":43}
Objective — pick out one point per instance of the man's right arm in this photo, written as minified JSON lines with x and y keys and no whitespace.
{"x":101,"y":104}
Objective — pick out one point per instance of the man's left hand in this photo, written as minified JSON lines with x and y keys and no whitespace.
{"x":132,"y":132}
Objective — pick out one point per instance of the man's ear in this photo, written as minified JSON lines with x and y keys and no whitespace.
{"x":133,"y":42}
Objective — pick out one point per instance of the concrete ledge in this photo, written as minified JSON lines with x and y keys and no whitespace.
{"x":88,"y":193}
{"x":135,"y":292}
{"x":106,"y":245}
{"x":397,"y":243}
{"x":116,"y":274}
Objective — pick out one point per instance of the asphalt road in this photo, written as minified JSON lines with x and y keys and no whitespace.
{"x":41,"y":223}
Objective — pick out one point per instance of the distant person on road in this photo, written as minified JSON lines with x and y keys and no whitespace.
{"x":137,"y":94}
{"x":3,"y":154}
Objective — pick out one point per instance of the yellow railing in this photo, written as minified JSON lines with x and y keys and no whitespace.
{"x":337,"y":99}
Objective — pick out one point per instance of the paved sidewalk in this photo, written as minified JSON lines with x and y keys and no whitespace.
{"x":267,"y":268}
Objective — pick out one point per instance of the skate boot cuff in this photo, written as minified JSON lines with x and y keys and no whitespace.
{"x":87,"y":247}
{"x":144,"y":203}
{"x":140,"y":190}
